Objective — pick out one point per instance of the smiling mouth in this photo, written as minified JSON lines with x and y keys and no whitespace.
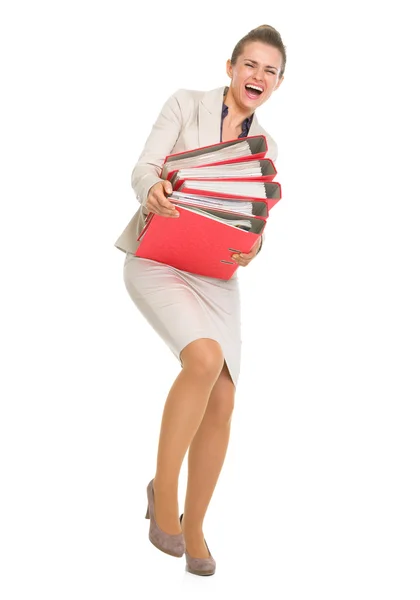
{"x":252,"y":92}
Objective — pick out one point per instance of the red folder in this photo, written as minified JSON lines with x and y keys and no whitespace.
{"x":196,"y":243}
{"x":257,"y":144}
{"x":272,"y":191}
{"x":268,"y":171}
{"x":259,"y":205}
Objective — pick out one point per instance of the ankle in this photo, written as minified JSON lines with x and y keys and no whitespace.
{"x":192,"y":527}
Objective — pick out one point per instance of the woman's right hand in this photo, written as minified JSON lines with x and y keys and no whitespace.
{"x":158,"y":203}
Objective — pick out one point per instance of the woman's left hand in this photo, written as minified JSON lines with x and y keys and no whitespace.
{"x":242,"y":259}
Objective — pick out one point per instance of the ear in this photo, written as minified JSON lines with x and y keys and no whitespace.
{"x":229,"y":69}
{"x":276,"y":87}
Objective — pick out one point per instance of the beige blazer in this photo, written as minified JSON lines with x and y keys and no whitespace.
{"x":189,"y":119}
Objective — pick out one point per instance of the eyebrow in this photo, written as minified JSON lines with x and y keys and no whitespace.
{"x":255,"y":63}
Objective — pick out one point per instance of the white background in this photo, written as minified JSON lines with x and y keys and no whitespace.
{"x":319,"y":494}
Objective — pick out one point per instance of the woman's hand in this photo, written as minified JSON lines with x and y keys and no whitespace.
{"x":158,"y":203}
{"x":242,"y":259}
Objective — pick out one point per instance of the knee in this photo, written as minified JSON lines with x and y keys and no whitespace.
{"x":204,"y":357}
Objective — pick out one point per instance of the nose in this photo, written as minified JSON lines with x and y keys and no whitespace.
{"x":259,"y":73}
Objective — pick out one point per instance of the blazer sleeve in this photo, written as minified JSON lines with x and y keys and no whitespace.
{"x":159,"y":144}
{"x":274,"y":154}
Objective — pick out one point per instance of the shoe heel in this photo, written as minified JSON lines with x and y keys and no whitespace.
{"x":173,"y":544}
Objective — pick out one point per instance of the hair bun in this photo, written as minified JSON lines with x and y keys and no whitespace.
{"x":265,"y":27}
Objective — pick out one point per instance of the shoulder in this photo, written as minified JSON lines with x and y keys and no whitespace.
{"x":183,"y":104}
{"x":184,"y":94}
{"x":188,"y":103}
{"x":187,"y":98}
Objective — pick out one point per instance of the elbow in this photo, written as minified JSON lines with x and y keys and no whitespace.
{"x":142,"y":170}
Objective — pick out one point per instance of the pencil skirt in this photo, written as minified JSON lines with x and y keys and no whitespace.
{"x":182,"y":307}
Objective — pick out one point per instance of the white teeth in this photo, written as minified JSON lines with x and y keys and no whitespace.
{"x":254,"y":87}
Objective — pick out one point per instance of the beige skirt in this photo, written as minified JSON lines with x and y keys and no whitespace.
{"x":182,"y":307}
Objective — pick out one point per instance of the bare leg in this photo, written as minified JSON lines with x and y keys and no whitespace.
{"x":205,"y":460}
{"x":184,"y":409}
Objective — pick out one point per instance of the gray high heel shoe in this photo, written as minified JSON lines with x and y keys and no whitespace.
{"x":172,"y":544}
{"x":200,"y":566}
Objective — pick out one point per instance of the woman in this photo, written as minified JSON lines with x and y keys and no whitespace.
{"x":198,"y":317}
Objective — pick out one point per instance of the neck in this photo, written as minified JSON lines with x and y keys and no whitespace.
{"x":236,"y":114}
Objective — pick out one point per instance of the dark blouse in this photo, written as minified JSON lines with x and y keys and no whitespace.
{"x":245,"y":125}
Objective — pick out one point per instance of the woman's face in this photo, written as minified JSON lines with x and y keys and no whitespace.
{"x":259,"y":65}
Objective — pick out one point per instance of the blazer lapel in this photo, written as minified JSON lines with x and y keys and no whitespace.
{"x":210,"y":116}
{"x":255,"y":128}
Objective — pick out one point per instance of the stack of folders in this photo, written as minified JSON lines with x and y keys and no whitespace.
{"x":224,"y":194}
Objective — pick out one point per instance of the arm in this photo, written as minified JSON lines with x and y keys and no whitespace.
{"x":159,"y":144}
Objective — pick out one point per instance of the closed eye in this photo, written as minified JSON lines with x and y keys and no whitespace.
{"x":268,"y":71}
